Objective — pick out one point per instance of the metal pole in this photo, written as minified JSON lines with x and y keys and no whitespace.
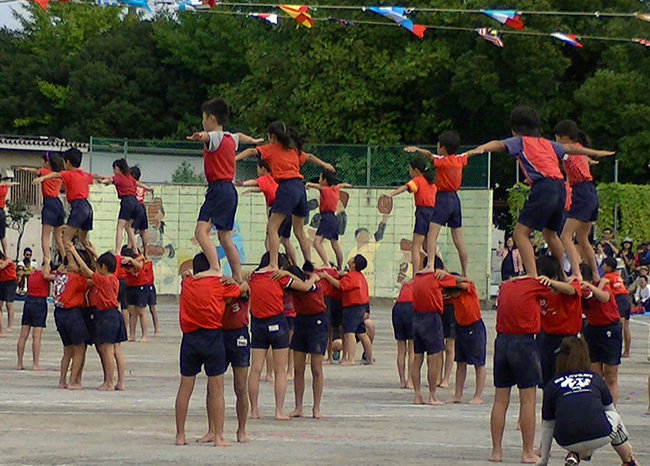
{"x":615,"y":202}
{"x":126,"y":148}
{"x":90,"y":156}
{"x":489,"y":169}
{"x":368,"y":157}
{"x":517,"y":170}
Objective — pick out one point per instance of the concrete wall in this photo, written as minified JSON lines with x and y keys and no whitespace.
{"x":173,"y":212}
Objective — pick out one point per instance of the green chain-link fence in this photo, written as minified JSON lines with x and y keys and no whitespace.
{"x":181,"y":162}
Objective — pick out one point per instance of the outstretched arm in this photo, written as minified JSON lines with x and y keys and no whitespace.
{"x":312,"y":185}
{"x":246,"y":154}
{"x":201,"y":136}
{"x":400,"y":190}
{"x":416,"y":150}
{"x":244,"y":139}
{"x":143,"y":186}
{"x":49,"y":176}
{"x":33,"y":171}
{"x":311,"y":158}
{"x":250,"y":183}
{"x":344,"y":185}
{"x":492,"y":146}
{"x":576,"y":149}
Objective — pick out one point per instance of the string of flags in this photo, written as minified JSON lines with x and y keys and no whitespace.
{"x":511,"y":19}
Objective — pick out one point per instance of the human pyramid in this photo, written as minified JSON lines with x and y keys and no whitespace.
{"x":539,"y":315}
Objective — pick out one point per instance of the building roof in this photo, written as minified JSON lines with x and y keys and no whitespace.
{"x":40,"y":143}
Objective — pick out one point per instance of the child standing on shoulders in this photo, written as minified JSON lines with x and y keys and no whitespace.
{"x":328,"y":229}
{"x":622,"y":297}
{"x":220,"y":204}
{"x":424,"y":194}
{"x":201,"y":307}
{"x":8,"y":283}
{"x":285,"y":155}
{"x":109,"y":329}
{"x":35,"y":314}
{"x":539,"y":161}
{"x":52,"y":214}
{"x":449,"y":175}
{"x":76,"y":183}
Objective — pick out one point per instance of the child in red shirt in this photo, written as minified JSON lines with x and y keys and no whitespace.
{"x":8,"y":281}
{"x":423,"y":188}
{"x":328,"y":228}
{"x":137,"y":291}
{"x":201,"y":308}
{"x":109,"y":330}
{"x":35,"y":313}
{"x":402,"y":318}
{"x":354,"y":300}
{"x":622,"y":297}
{"x":52,"y":213}
{"x":220,"y":204}
{"x":141,"y":223}
{"x":284,"y":155}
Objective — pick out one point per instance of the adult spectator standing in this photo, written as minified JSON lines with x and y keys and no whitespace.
{"x":627,"y":255}
{"x":511,"y":264}
{"x":24,"y":268}
{"x":608,"y":246}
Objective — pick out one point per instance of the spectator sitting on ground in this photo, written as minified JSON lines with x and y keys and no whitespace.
{"x":642,"y":293}
{"x":641,"y":272}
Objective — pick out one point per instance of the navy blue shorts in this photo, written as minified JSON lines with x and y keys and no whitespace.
{"x":81,"y":215}
{"x":310,"y":334}
{"x":584,"y":202}
{"x":71,"y":325}
{"x":121,"y":294}
{"x":109,"y":327}
{"x":516,"y":362}
{"x":291,"y":199}
{"x":449,"y":321}
{"x":423,"y":217}
{"x":605,"y":343}
{"x":128,"y":208}
{"x":220,"y":205}
{"x":137,"y":296}
{"x":470,"y":344}
{"x":3,"y":224}
{"x":7,"y":291}
{"x":336,"y":313}
{"x":353,"y":318}
{"x":403,"y":321}
{"x":88,"y":314}
{"x":152,"y":296}
{"x":544,"y":208}
{"x":624,"y":306}
{"x":52,"y":212}
{"x":34,"y":312}
{"x":203,"y":348}
{"x":273,"y":332}
{"x":290,"y":322}
{"x":141,"y":222}
{"x":237,"y":343}
{"x":328,"y":227}
{"x":427,"y":333}
{"x":547,"y":344}
{"x":447,"y":210}
{"x":285,"y":228}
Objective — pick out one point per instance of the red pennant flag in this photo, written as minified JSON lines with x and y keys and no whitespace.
{"x":42,"y":3}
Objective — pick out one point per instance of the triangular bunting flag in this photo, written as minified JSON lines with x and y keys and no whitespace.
{"x":491,"y":35}
{"x":397,"y":14}
{"x":569,"y":39}
{"x":136,"y":4}
{"x":644,"y":42}
{"x":42,"y":3}
{"x":299,"y":13}
{"x":508,"y":18}
{"x":269,"y":18}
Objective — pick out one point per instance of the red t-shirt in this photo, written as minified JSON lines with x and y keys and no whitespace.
{"x":285,"y":164}
{"x":139,"y":194}
{"x":50,"y":188}
{"x":148,"y":270}
{"x":406,"y":292}
{"x":103,"y":293}
{"x":427,"y":293}
{"x":124,"y":185}
{"x":518,"y":307}
{"x":120,"y":272}
{"x":69,"y":290}
{"x":287,"y":305}
{"x":37,"y":286}
{"x":266,"y":295}
{"x":354,"y":288}
{"x":138,"y":277}
{"x":576,"y":168}
{"x":311,"y":302}
{"x":616,"y":283}
{"x":76,"y":184}
{"x":219,"y":164}
{"x":4,"y":189}
{"x":202,"y":303}
{"x":449,"y":172}
{"x":329,"y":290}
{"x":599,"y":314}
{"x":8,"y":274}
{"x":424,"y":194}
{"x":329,"y":198}
{"x":562,"y":313}
{"x":467,"y":308}
{"x":268,"y":186}
{"x":236,"y":315}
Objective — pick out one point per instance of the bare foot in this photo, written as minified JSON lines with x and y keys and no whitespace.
{"x":289,"y":377}
{"x":409,"y":385}
{"x":316,"y":414}
{"x":433,"y":401}
{"x":296,"y":413}
{"x":281,"y":417}
{"x":538,"y":451}
{"x":37,"y":368}
{"x":269,"y":378}
{"x":455,"y":400}
{"x":106,"y":387}
{"x":2,"y":335}
{"x":75,"y":386}
{"x":476,"y":401}
{"x":180,"y":440}
{"x":20,"y":367}
{"x":62,"y":385}
{"x":418,"y":400}
{"x":119,"y":386}
{"x":155,"y":335}
{"x":131,"y":339}
{"x":495,"y":457}
{"x":647,"y":413}
{"x":444,"y":384}
{"x":220,"y":442}
{"x":207,"y":438}
{"x":9,"y":330}
{"x":625,"y":355}
{"x":241,"y":437}
{"x":368,"y":362}
{"x":402,"y":384}
{"x":518,"y":426}
{"x":255,"y":414}
{"x":347,"y":363}
{"x":328,"y":362}
{"x":143,"y":340}
{"x":531,"y":458}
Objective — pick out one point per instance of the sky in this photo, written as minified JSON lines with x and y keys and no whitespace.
{"x":6,"y":14}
